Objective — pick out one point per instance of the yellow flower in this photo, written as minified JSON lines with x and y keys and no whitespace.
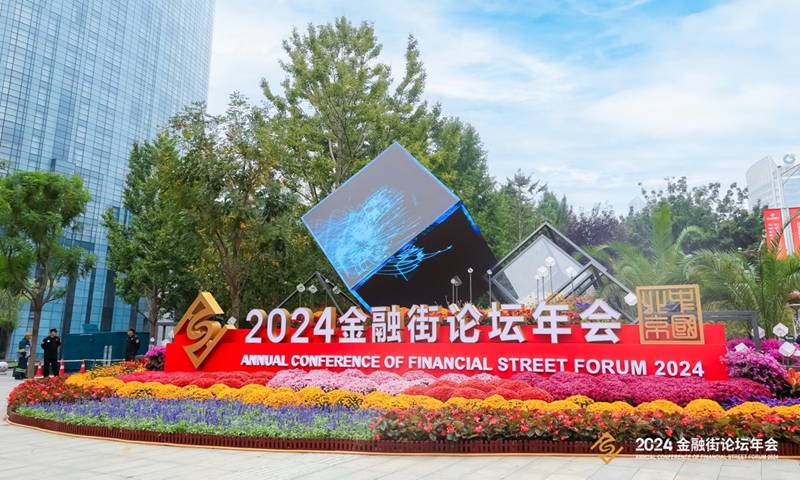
{"x":281,"y":398}
{"x":495,"y":401}
{"x":344,"y":398}
{"x":513,"y":403}
{"x":749,"y":408}
{"x":787,"y":411}
{"x":228,"y":393}
{"x":562,"y":405}
{"x":467,"y":403}
{"x":137,"y":389}
{"x":531,"y":405}
{"x":193,"y":392}
{"x":703,"y":407}
{"x":217,"y":387}
{"x":254,"y":395}
{"x":105,"y":382}
{"x":376,"y":400}
{"x":663,"y":405}
{"x":580,"y":400}
{"x":79,"y":379}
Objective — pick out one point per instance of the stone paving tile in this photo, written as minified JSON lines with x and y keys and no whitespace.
{"x":563,"y":476}
{"x":614,"y":472}
{"x":649,"y":474}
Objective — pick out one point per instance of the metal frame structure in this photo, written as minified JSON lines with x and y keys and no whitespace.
{"x":329,"y":287}
{"x":594,"y":270}
{"x":730,"y":316}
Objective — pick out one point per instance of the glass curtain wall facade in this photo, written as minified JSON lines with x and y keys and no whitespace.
{"x":763,"y":184}
{"x":80,"y":80}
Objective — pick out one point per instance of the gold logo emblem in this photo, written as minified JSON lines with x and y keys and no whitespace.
{"x":670,"y":314}
{"x":606,"y":445}
{"x":197,"y":324}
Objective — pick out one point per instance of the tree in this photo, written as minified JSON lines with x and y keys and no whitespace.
{"x":10,"y":306}
{"x":227,"y":186}
{"x":762,"y":282}
{"x":596,"y":227}
{"x":520,"y":192}
{"x":42,"y":205}
{"x":660,"y":264}
{"x":724,"y":221}
{"x":556,"y":213}
{"x":155,"y":250}
{"x":337,"y":111}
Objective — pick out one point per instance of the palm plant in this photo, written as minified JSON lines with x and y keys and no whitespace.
{"x":661,"y":264}
{"x":729,"y":281}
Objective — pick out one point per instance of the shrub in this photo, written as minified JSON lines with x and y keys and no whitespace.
{"x":155,"y":358}
{"x":760,"y":367}
{"x":53,"y":389}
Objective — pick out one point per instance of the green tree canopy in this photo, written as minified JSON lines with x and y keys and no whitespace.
{"x":338,"y":110}
{"x":42,"y":205}
{"x":724,"y":221}
{"x":227,"y":186}
{"x":10,"y":306}
{"x":154,"y":249}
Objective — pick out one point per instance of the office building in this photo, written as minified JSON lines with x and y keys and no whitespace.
{"x":765,"y":180}
{"x":80,"y":80}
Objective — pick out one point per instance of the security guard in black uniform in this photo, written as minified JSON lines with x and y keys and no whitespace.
{"x":50,"y":346}
{"x":131,"y":345}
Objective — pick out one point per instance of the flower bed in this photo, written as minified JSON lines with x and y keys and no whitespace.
{"x":415,"y":407}
{"x":217,"y":417}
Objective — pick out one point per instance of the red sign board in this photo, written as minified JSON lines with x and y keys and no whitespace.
{"x":572,"y":353}
{"x":794,"y":225}
{"x":773,"y":225}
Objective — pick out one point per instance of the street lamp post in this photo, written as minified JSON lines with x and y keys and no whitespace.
{"x":489,"y":276}
{"x":571,"y":272}
{"x":542,"y":271}
{"x":550,"y":262}
{"x":469,"y":270}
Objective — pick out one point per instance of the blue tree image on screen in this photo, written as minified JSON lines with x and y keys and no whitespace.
{"x":395,"y":234}
{"x":403,"y":263}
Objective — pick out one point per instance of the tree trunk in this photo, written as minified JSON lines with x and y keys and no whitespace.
{"x":235,"y":300}
{"x":37,"y":316}
{"x":8,"y":344}
{"x":152,"y":318}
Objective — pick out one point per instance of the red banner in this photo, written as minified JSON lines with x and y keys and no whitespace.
{"x":773,"y":225}
{"x":794,"y":214}
{"x":537,"y":354}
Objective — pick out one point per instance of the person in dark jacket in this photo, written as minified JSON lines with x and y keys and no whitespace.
{"x":131,"y":345}
{"x":23,"y":354}
{"x":50,"y":346}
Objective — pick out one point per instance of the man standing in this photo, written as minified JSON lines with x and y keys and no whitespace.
{"x":131,"y":345}
{"x":50,"y":346}
{"x":23,"y":354}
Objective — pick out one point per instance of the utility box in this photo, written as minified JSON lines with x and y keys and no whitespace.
{"x":97,"y":348}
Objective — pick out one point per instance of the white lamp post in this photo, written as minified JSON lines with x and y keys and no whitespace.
{"x":469,"y":270}
{"x":550,"y":262}
{"x":489,"y":275}
{"x":572,"y":273}
{"x":542,"y":271}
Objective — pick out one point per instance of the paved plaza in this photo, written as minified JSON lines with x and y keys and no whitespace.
{"x":32,"y":454}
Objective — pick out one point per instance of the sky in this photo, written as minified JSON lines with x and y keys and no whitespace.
{"x":590,"y":97}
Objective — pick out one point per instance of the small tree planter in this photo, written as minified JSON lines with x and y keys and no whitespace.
{"x":474,"y":447}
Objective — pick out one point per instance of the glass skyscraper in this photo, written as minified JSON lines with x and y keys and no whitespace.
{"x":80,"y":80}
